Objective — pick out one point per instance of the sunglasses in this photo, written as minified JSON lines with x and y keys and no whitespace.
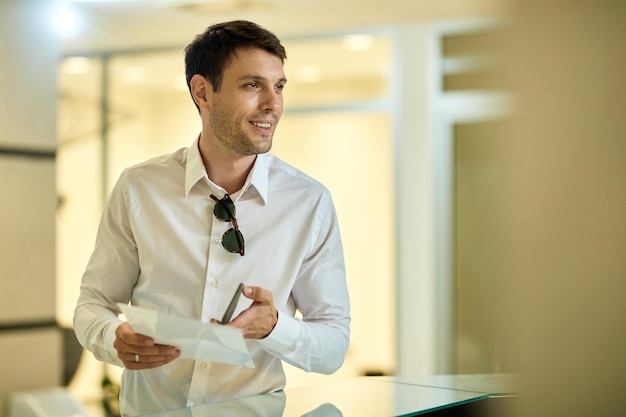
{"x":232,"y":239}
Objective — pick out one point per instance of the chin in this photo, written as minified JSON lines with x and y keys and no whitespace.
{"x":264,"y":146}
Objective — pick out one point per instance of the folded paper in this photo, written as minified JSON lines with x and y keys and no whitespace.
{"x":195,"y":339}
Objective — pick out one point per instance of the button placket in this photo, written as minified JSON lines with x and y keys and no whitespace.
{"x":212,"y":282}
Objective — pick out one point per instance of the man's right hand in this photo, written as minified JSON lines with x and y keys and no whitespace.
{"x":140,"y":352}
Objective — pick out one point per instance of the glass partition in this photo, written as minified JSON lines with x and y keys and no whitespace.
{"x":79,"y":174}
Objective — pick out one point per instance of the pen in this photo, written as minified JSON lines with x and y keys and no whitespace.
{"x":233,"y":303}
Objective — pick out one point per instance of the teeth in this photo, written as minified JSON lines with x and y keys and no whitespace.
{"x":263,"y":125}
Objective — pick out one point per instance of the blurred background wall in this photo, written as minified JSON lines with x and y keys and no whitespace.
{"x":475,"y":152}
{"x":564,"y":209}
{"x":30,"y":341}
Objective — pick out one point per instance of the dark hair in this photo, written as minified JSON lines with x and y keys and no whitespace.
{"x":212,"y":51}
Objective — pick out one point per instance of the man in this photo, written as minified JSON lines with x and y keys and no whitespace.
{"x":180,"y":232}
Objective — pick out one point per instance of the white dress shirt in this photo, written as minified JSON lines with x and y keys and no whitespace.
{"x":159,"y":247}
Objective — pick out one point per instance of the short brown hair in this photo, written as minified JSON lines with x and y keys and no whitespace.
{"x":211,"y":51}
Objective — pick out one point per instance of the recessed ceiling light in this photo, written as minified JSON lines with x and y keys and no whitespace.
{"x":66,"y":21}
{"x":76,"y":65}
{"x":133,"y":75}
{"x":360,"y":42}
{"x":308,"y":73}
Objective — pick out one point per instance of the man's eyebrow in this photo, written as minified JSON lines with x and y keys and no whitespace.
{"x":252,"y":77}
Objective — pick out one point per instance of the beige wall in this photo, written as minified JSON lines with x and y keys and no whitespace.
{"x":541,"y":231}
{"x":565,"y":208}
{"x":481,"y":156}
{"x":30,"y":343}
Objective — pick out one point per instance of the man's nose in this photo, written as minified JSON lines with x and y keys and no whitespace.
{"x":273,"y":101}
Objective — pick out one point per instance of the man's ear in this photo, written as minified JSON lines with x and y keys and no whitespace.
{"x":201,"y":90}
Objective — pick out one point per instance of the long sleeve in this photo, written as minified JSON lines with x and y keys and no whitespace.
{"x":109,"y":278}
{"x":319,"y":341}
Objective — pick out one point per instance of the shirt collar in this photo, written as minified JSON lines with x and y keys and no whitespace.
{"x":258,"y":177}
{"x":194,"y":170}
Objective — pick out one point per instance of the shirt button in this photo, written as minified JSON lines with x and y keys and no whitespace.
{"x":214,"y":283}
{"x":203,"y":365}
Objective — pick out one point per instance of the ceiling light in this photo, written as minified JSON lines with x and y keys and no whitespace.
{"x":308,"y":73}
{"x":76,"y":65}
{"x":133,"y":75}
{"x":66,"y":21}
{"x":361,"y":42}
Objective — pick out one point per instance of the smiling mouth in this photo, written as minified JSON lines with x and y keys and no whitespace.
{"x":262,"y":125}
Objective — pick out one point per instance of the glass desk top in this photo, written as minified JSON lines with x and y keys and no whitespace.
{"x":496,"y":385}
{"x":358,"y":397}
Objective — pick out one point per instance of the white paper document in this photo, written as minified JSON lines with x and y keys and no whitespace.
{"x":195,"y":339}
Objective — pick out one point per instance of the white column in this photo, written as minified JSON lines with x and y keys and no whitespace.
{"x":418,"y":290}
{"x":30,"y":341}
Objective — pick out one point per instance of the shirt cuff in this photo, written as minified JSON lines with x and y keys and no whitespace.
{"x":284,"y":335}
{"x":109,"y":338}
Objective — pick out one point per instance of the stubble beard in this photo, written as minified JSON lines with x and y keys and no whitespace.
{"x":231,"y":135}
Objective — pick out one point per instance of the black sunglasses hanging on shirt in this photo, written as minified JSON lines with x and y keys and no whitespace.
{"x":232,"y":239}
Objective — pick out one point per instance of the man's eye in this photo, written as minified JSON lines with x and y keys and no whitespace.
{"x":253,"y":84}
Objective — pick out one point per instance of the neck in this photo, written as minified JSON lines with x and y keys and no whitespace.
{"x":226,"y":169}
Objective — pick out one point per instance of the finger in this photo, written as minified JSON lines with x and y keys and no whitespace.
{"x":156,"y":351}
{"x":258,"y":320}
{"x":150,"y":358}
{"x":262,"y":303}
{"x":128,"y":342}
{"x":149,"y":355}
{"x":258,"y":294}
{"x":138,"y":343}
{"x":135,"y":366}
{"x":126,"y":334}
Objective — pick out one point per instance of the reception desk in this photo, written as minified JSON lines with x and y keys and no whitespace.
{"x":436,"y":396}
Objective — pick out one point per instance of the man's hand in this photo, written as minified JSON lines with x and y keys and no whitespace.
{"x":258,"y":320}
{"x":140,"y":352}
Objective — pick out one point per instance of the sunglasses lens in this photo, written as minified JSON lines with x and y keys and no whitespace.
{"x":231,"y":241}
{"x":224,"y":210}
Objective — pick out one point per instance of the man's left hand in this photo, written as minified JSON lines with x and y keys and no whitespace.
{"x":258,"y":320}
